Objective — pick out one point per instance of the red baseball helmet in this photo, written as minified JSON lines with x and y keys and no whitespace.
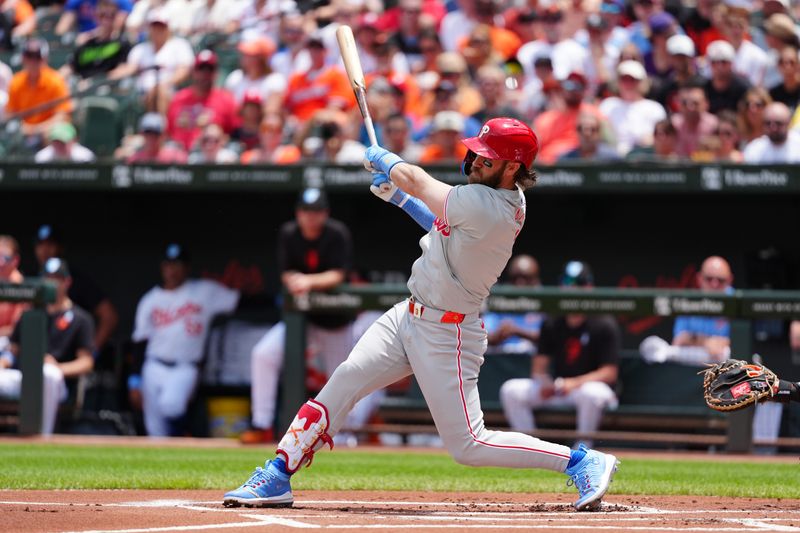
{"x":507,"y":139}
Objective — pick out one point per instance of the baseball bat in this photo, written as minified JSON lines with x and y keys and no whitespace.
{"x":352,"y":64}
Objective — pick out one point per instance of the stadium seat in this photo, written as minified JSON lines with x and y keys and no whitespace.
{"x":97,"y":119}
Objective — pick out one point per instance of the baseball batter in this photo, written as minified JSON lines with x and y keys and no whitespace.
{"x":437,"y":334}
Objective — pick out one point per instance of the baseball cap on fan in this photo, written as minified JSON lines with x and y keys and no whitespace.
{"x":576,"y":274}
{"x":312,"y":199}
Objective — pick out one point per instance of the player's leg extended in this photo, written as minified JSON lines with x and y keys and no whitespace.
{"x":376,"y":361}
{"x":446,"y":359}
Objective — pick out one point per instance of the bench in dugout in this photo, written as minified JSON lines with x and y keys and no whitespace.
{"x":661,"y":404}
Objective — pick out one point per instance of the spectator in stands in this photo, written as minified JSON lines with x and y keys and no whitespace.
{"x":292,"y":55}
{"x":445,"y":139}
{"x":10,"y":312}
{"x":693,"y":121}
{"x":603,"y":53}
{"x":163,"y":62}
{"x":787,"y":91}
{"x":630,"y":115}
{"x":557,"y":127}
{"x":327,"y":139}
{"x":682,"y":70}
{"x":34,"y":87}
{"x":172,"y":321}
{"x":492,"y":86}
{"x":20,"y":16}
{"x":174,"y":11}
{"x":478,"y":51}
{"x":725,"y":88}
{"x":315,"y":253}
{"x":697,"y":23}
{"x":780,"y":32}
{"x":452,"y":69}
{"x":63,"y":147}
{"x":69,"y":347}
{"x":750,"y":61}
{"x":397,"y":138}
{"x":214,"y":16}
{"x":515,"y":333}
{"x":82,"y":290}
{"x":200,"y":104}
{"x":657,"y":61}
{"x":430,"y":46}
{"x":153,"y":147}
{"x":212,"y":148}
{"x":457,"y":24}
{"x":255,"y":74}
{"x":318,"y":87}
{"x":779,"y":144}
{"x":81,"y":15}
{"x":103,"y":50}
{"x":535,"y":91}
{"x":566,"y":54}
{"x":728,"y":139}
{"x":272,"y":148}
{"x":664,"y":148}
{"x":251,"y":115}
{"x":5,"y":84}
{"x":445,"y":98}
{"x":576,"y":364}
{"x":751,"y":113}
{"x":409,"y":30}
{"x":590,"y":141}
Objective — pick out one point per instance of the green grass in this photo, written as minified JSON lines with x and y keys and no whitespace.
{"x":50,"y":466}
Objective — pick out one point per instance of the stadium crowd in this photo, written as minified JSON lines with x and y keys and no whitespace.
{"x":261,"y":81}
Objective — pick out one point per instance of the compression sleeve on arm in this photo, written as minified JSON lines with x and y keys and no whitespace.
{"x":417,"y":210}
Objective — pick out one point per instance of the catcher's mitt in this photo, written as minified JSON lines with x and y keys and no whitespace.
{"x":735,"y":384}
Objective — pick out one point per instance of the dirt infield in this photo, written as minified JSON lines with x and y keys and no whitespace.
{"x":154,"y":511}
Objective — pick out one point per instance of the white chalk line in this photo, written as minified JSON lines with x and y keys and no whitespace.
{"x":501,"y":520}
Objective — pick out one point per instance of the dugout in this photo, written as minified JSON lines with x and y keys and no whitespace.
{"x":637,"y":225}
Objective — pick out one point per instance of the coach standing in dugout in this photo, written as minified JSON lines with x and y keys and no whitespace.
{"x":315,"y":253}
{"x":437,"y":334}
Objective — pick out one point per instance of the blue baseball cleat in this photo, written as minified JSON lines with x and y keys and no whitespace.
{"x":592,"y":477}
{"x":267,"y":487}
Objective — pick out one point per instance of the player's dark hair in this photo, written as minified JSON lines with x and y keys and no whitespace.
{"x":525,"y":178}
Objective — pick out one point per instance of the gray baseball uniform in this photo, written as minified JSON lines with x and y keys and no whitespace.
{"x":439,"y":337}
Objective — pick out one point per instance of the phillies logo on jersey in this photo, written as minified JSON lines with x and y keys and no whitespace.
{"x":441,"y":227}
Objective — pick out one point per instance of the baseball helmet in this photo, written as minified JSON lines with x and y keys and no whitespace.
{"x":507,"y":139}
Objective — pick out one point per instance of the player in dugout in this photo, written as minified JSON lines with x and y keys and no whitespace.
{"x":437,"y":334}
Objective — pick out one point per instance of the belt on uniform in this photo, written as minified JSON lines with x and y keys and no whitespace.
{"x":434,"y":315}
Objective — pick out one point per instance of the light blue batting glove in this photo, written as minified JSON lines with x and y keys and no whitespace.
{"x":383,"y":188}
{"x":379,"y":159}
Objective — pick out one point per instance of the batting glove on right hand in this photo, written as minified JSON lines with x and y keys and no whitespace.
{"x":383,"y":188}
{"x":379,"y":159}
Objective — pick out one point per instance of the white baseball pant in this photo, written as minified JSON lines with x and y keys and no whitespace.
{"x":55,"y":392}
{"x":166,"y":393}
{"x":329,"y":346}
{"x":445,"y":358}
{"x":520,"y":396}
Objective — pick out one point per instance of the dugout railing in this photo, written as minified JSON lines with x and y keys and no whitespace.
{"x":740,"y":307}
{"x":33,"y":344}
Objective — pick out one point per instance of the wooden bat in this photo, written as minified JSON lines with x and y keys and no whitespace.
{"x":352,"y":64}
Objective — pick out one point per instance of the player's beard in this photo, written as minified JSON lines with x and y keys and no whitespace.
{"x":492,"y":180}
